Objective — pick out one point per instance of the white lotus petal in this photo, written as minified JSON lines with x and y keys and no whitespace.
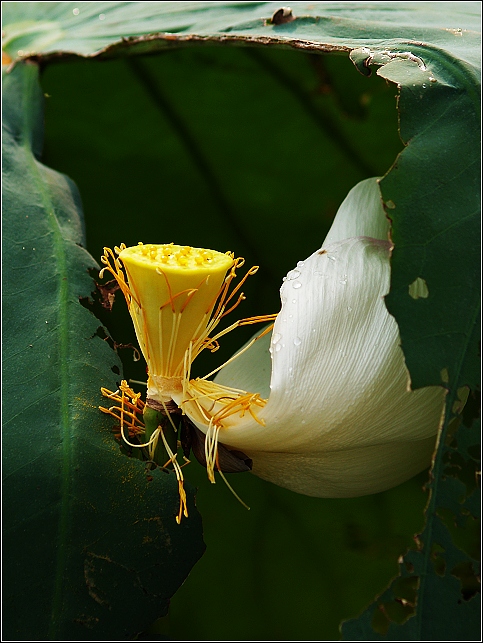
{"x":348,"y":473}
{"x":360,"y":215}
{"x":340,"y":418}
{"x":338,"y":377}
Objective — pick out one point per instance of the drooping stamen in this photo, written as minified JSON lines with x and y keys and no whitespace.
{"x":231,"y":488}
{"x":183,"y":507}
{"x":130,"y":410}
{"x":211,"y":450}
{"x":213,"y":404}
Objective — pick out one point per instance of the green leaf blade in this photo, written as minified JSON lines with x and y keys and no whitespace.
{"x":432,"y":197}
{"x":96,"y":540}
{"x":87,"y":28}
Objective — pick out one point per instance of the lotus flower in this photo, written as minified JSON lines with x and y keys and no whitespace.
{"x":341,"y":419}
{"x":322,"y":405}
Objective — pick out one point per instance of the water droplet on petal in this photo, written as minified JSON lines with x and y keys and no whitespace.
{"x":297,"y":284}
{"x":278,"y":347}
{"x":276,"y":338}
{"x":349,"y":308}
{"x":75,"y":12}
{"x":302,"y":422}
{"x":331,"y":258}
{"x":297,"y":341}
{"x":293,"y":274}
{"x":294,"y":301}
{"x":300,"y":264}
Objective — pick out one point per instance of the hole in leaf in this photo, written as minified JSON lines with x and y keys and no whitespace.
{"x":462,"y":397}
{"x":380,"y":622}
{"x":451,"y":430}
{"x":400,"y":608}
{"x":464,"y":531}
{"x":419,"y":289}
{"x":470,"y":582}
{"x":398,"y":611}
{"x":100,"y":332}
{"x":464,"y":470}
{"x":115,"y":369}
{"x":472,"y":409}
{"x":405,"y":588}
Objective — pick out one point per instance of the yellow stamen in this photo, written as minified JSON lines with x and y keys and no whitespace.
{"x":233,"y":490}
{"x":213,"y":404}
{"x":183,"y":507}
{"x":130,"y":409}
{"x":135,"y":427}
{"x":177,"y":296}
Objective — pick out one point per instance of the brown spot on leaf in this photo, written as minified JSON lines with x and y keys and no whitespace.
{"x":107,"y":292}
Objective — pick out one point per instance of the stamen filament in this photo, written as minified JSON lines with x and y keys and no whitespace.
{"x":250,"y":272}
{"x":183,"y":507}
{"x":231,"y":489}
